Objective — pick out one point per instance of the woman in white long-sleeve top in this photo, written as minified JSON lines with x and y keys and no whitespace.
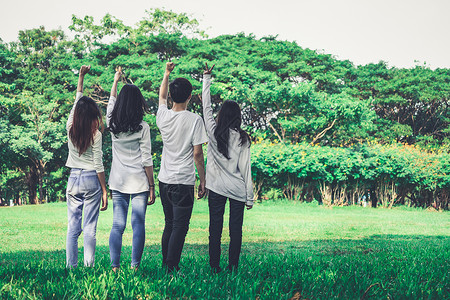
{"x":86,"y":186}
{"x":131,"y":174}
{"x":228,"y":174}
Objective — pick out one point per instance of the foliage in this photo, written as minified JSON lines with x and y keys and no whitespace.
{"x":287,"y":93}
{"x":390,"y":174}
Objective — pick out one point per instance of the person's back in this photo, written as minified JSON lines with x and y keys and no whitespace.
{"x":131,"y":176}
{"x":86,"y":186}
{"x":180,"y":132}
{"x":183,"y":134}
{"x":228,"y":175}
{"x":130,"y":159}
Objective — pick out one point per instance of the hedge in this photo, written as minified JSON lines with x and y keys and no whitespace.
{"x":384,"y":174}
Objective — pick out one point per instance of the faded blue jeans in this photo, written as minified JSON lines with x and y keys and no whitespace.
{"x":121,"y":202}
{"x":83,"y":193}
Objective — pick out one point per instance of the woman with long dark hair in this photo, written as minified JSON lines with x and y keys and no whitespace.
{"x":86,"y":186}
{"x":131,"y":174}
{"x":228,"y":174}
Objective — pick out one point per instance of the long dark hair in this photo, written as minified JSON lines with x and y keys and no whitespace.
{"x":129,"y":110}
{"x":86,"y":119}
{"x":229,"y":118}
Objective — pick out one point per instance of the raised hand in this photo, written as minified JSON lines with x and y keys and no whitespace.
{"x":84,"y":70}
{"x":208,"y":70}
{"x":170,"y":66}
{"x":118,"y":74}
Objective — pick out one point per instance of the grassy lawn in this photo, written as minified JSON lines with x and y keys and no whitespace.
{"x":289,"y":250}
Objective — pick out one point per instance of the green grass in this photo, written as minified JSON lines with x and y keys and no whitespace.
{"x":289,"y":248}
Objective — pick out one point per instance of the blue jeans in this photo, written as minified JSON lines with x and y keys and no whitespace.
{"x":121,"y":202}
{"x":83,"y":190}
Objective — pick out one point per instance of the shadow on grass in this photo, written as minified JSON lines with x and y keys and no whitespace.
{"x":379,"y":266}
{"x":374,"y":243}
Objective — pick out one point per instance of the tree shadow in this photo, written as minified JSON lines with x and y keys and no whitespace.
{"x":365,"y":245}
{"x":323,"y":268}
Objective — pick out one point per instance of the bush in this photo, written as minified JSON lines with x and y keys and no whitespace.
{"x":385,"y":174}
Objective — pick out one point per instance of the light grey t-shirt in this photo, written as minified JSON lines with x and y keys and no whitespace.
{"x":131,"y":153}
{"x":180,"y":132}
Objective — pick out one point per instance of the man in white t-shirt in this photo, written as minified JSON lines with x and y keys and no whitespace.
{"x":183,"y":134}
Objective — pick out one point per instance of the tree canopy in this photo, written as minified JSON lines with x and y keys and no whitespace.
{"x":288,"y":93}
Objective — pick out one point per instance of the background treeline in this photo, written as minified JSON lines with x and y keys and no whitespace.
{"x":323,"y":128}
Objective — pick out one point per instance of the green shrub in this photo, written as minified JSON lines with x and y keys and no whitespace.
{"x":387,"y":174}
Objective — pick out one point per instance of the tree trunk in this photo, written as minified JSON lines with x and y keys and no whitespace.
{"x":32,"y":182}
{"x":40,"y":176}
{"x":373,"y":198}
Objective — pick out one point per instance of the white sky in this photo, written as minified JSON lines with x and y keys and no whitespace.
{"x":363,"y":31}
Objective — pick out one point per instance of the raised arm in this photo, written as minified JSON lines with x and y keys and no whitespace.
{"x":164,"y":89}
{"x":210,"y":123}
{"x":117,"y":77}
{"x":83,"y":71}
{"x":113,"y":96}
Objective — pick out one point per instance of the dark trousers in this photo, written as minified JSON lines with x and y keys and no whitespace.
{"x":177,"y":201}
{"x":216,"y":204}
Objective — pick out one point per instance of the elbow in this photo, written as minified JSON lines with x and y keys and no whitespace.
{"x":147,"y":163}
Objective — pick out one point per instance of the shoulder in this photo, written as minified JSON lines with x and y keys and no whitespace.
{"x":145,"y":128}
{"x":162,"y":107}
{"x":97,"y":136}
{"x":193,"y":116}
{"x":78,"y":95}
{"x":145,"y":125}
{"x":162,"y":112}
{"x":237,"y":138}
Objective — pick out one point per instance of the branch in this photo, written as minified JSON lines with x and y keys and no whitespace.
{"x":275,"y":131}
{"x":267,"y":121}
{"x":322,"y":133}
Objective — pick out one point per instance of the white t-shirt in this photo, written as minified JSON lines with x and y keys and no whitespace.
{"x":180,"y":132}
{"x":131,"y":153}
{"x":92,"y":158}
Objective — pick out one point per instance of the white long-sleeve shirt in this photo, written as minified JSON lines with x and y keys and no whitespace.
{"x":92,"y":158}
{"x":232,"y":177}
{"x":131,"y":153}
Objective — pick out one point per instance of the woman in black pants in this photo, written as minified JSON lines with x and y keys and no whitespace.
{"x":228,"y":174}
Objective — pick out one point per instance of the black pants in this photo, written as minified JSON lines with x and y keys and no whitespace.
{"x":216,"y":204}
{"x":177,"y":201}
